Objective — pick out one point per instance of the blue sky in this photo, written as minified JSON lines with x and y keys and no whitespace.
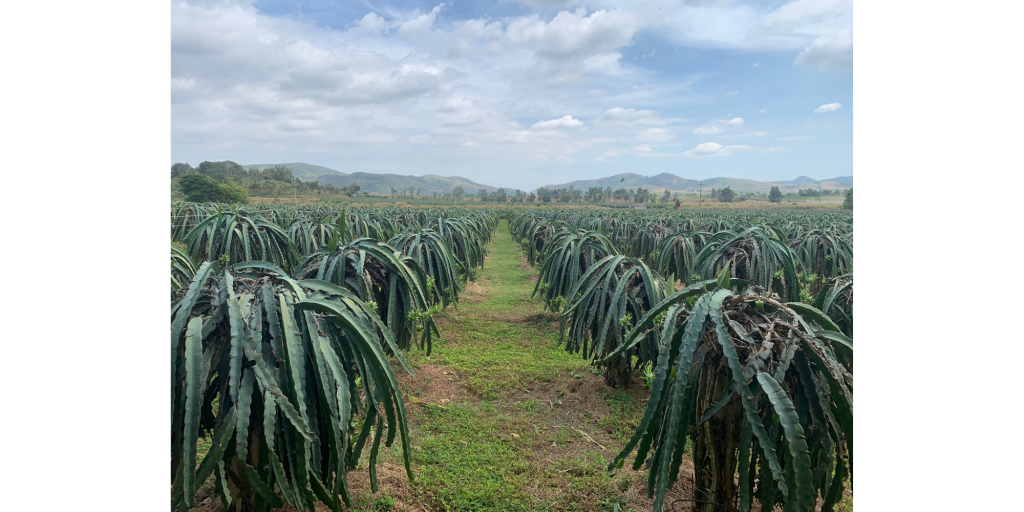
{"x":517,"y":93}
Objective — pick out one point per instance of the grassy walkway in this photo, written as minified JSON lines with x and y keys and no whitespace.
{"x":503,"y":420}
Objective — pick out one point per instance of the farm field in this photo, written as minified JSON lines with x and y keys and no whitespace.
{"x":306,"y":322}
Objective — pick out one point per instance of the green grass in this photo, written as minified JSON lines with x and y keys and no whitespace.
{"x":506,"y":342}
{"x":512,"y":443}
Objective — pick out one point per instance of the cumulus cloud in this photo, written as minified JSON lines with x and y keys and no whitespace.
{"x":573,"y":34}
{"x":627,"y":114}
{"x":453,"y":94}
{"x":728,"y":24}
{"x":420,"y":23}
{"x":832,"y":51}
{"x":828,"y":107}
{"x":564,"y":122}
{"x":717,"y":126}
{"x":714,"y":149}
{"x":703,"y":150}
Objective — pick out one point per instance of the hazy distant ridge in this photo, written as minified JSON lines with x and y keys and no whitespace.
{"x":379,"y":183}
{"x":424,"y":185}
{"x":304,"y":172}
{"x":671,"y":182}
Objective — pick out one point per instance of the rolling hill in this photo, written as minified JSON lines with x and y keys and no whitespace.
{"x":381,"y":184}
{"x":673,"y":183}
{"x":304,"y":172}
{"x":804,"y":180}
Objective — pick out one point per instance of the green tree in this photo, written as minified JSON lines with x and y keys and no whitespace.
{"x":726,"y":195}
{"x":222,"y":171}
{"x":179,"y":169}
{"x":848,"y":202}
{"x":457,"y":192}
{"x":666,"y":196}
{"x":281,"y":173}
{"x":483,"y":194}
{"x":775,"y":195}
{"x":678,"y":204}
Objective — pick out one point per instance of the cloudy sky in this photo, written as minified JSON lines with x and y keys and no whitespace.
{"x":517,"y":93}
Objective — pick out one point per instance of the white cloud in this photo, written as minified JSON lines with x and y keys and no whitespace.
{"x":717,"y":126}
{"x":714,"y":149}
{"x":604,"y":63}
{"x":732,"y":93}
{"x":564,"y":122}
{"x":731,"y":24}
{"x":627,"y":114}
{"x":828,"y":107}
{"x":655,"y":135}
{"x":632,"y":117}
{"x":397,"y":90}
{"x":832,"y":51}
{"x":706,"y":149}
{"x":420,"y":23}
{"x":573,"y":34}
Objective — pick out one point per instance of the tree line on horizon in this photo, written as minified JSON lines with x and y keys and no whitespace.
{"x":229,"y":182}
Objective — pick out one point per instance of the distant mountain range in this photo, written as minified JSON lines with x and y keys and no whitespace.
{"x":304,"y":172}
{"x":379,"y":184}
{"x":673,"y":183}
{"x":804,"y":180}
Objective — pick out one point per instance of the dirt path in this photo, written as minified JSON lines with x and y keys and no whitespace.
{"x":504,"y":420}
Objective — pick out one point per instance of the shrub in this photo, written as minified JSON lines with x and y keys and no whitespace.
{"x":203,"y":189}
